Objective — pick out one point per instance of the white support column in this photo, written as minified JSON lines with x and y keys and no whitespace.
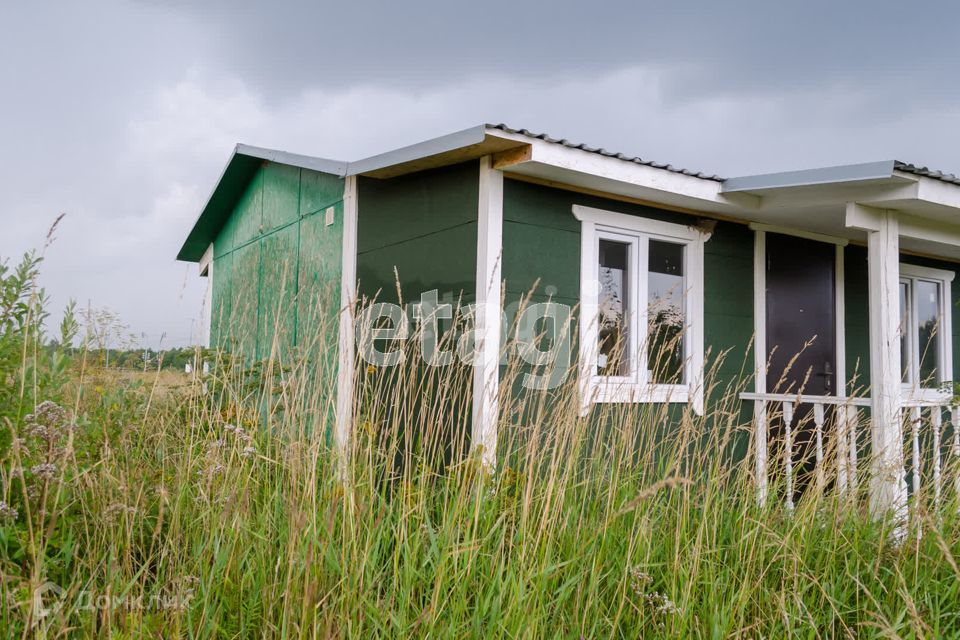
{"x":343,"y":428}
{"x":486,"y":372}
{"x":760,"y":362}
{"x":888,"y":490}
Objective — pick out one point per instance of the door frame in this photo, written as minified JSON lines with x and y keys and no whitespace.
{"x":760,"y":303}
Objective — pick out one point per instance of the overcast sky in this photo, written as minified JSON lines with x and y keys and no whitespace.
{"x":122,"y":114}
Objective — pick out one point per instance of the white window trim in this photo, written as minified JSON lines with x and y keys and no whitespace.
{"x":598,"y":223}
{"x":912,"y":273}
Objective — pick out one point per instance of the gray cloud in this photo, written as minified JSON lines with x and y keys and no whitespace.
{"x":122,"y":114}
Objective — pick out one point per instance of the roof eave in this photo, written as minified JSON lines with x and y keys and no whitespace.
{"x":845,"y":174}
{"x":241,"y":166}
{"x":461,"y":146}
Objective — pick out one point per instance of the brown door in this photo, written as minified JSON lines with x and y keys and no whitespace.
{"x":801,"y":315}
{"x":801,"y":337}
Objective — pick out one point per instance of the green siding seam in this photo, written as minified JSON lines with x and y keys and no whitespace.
{"x":278,"y":229}
{"x":320,"y":208}
{"x":420,"y":237}
{"x":256,"y":335}
{"x":546,"y":226}
{"x":266,"y":235}
{"x":296,"y":279}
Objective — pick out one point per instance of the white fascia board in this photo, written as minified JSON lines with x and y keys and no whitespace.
{"x":866,"y":218}
{"x":929,"y":230}
{"x":938,"y":192}
{"x":323,"y":165}
{"x":652,"y":179}
{"x":882,"y":195}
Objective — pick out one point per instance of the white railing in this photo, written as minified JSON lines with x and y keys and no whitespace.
{"x":848,"y":429}
{"x":916,"y":422}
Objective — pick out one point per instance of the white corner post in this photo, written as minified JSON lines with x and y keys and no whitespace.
{"x":206,"y":271}
{"x":486,"y":366}
{"x":888,"y":489}
{"x":346,"y":363}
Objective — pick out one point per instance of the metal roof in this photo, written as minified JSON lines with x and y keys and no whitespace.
{"x":603,"y":152}
{"x":906,"y":167}
{"x":482,"y":140}
{"x":851,"y":173}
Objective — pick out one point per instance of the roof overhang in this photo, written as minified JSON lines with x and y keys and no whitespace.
{"x":813,"y":200}
{"x":596,"y":171}
{"x":469,"y":144}
{"x":818,"y":201}
{"x":240,"y":168}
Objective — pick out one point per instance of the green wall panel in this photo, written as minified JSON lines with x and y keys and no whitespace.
{"x":318,"y":298}
{"x":445,"y":261}
{"x":266,"y":253}
{"x":221,"y":305}
{"x":407,"y":207}
{"x":318,"y":191}
{"x":223,"y":243}
{"x":544,"y":254}
{"x":281,"y":195}
{"x":423,"y":226}
{"x":245,"y":298}
{"x":247,"y":217}
{"x":278,"y":292}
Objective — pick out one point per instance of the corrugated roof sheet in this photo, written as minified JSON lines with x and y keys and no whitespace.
{"x":906,"y":167}
{"x":604,"y":152}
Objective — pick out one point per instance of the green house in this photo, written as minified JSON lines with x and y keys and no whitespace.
{"x":837,"y":281}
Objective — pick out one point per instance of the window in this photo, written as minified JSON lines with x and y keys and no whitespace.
{"x":641,"y":329}
{"x":926,"y":353}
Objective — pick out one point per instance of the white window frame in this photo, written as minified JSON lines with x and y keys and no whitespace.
{"x":911,"y":274}
{"x":597,"y":224}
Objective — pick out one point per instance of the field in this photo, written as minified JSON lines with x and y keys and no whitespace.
{"x":165,"y":505}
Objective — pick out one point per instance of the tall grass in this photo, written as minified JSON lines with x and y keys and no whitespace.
{"x":215,"y":509}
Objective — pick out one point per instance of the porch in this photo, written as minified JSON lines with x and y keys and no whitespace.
{"x":841,"y":439}
{"x":892,"y":434}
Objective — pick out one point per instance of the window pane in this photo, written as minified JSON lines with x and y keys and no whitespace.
{"x":613,"y":309}
{"x":666,"y":312}
{"x":928,"y":331}
{"x":905,"y":365}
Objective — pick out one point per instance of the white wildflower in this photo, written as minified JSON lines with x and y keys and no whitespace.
{"x":7,"y":512}
{"x":46,"y":470}
{"x":658,"y":603}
